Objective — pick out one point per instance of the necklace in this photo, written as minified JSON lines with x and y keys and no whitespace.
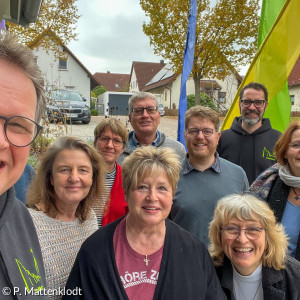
{"x":296,"y":195}
{"x":245,"y":297}
{"x":146,"y":259}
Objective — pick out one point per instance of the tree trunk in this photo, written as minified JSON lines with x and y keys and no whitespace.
{"x":197,"y":88}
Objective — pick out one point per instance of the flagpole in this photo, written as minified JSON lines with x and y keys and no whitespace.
{"x":188,"y":61}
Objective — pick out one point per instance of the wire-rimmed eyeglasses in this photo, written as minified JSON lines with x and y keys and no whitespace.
{"x":195,"y":131}
{"x":116,"y":142}
{"x":257,"y":103}
{"x":252,"y":233}
{"x":20,"y":131}
{"x":140,"y":110}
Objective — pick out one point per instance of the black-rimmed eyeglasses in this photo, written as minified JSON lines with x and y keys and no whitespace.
{"x":257,"y":103}
{"x":20,"y":131}
{"x":233,"y":232}
{"x":195,"y":131}
{"x":140,"y":110}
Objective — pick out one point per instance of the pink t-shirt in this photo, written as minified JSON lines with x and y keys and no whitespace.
{"x":139,"y":280}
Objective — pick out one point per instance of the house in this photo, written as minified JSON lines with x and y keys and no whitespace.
{"x":141,"y":73}
{"x":62,"y":70}
{"x":294,"y":86}
{"x":113,"y":82}
{"x":166,"y":85}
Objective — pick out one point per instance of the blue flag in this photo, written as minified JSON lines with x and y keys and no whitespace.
{"x":188,"y":60}
{"x":2,"y":24}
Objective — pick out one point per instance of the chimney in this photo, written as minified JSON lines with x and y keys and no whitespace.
{"x":162,"y":62}
{"x":108,"y":72}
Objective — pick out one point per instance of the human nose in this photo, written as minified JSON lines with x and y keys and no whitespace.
{"x":200,"y":134}
{"x":242,"y":237}
{"x":145,"y":112}
{"x":74,"y":177}
{"x":152,"y":194}
{"x":4,"y":143}
{"x":110,"y":143}
{"x":252,"y":106}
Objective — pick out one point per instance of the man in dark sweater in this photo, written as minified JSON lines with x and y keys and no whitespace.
{"x":250,"y":140}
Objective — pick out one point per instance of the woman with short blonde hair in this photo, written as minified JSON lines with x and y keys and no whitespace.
{"x":249,"y":249}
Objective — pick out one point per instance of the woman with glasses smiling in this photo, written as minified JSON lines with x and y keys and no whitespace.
{"x":249,"y":250}
{"x":279,"y":185}
{"x":110,"y":136}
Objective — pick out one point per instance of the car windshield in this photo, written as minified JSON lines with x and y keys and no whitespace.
{"x":66,"y":96}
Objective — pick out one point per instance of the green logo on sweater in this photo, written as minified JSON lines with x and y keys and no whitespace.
{"x":268,"y":155}
{"x":31,"y":280}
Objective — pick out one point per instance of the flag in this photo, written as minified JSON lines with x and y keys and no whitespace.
{"x":273,"y":63}
{"x":2,"y":25}
{"x":188,"y":60}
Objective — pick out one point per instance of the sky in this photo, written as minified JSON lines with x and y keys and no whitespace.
{"x":111,"y":36}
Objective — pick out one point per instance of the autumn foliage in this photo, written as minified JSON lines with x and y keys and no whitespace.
{"x":226,"y":34}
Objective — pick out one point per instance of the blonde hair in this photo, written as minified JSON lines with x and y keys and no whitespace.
{"x":41,"y":190}
{"x":247,"y":207}
{"x":147,"y":160}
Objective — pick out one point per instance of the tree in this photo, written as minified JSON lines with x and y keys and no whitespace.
{"x":226,"y":34}
{"x":98,"y":90}
{"x":205,"y":100}
{"x":57,"y":17}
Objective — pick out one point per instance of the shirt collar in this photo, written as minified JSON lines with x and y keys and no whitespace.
{"x":135,"y":143}
{"x":188,"y":167}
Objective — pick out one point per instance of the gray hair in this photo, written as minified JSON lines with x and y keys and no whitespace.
{"x":140,"y":96}
{"x":21,"y":56}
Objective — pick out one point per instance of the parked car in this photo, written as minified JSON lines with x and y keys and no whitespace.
{"x":161,"y":109}
{"x":68,"y":105}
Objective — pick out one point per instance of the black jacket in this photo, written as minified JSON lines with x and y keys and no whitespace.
{"x":253,"y":152}
{"x":21,"y":263}
{"x":277,"y":284}
{"x":186,"y":270}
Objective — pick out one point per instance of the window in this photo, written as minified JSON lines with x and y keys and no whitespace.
{"x":62,"y":64}
{"x":222,"y":97}
{"x":292,"y":99}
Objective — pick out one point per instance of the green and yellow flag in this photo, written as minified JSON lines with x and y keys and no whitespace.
{"x":274,"y":61}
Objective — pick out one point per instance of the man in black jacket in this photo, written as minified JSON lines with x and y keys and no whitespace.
{"x":250,"y":140}
{"x":22,"y":103}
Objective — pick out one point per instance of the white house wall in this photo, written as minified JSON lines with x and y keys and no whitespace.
{"x":74,"y":77}
{"x":133,"y":85}
{"x":295,"y":90}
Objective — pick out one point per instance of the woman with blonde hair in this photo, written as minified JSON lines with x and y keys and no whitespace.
{"x":144,"y":255}
{"x":249,"y":250}
{"x":69,"y":179}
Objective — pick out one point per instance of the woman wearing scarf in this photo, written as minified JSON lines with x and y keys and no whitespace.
{"x":279,"y":186}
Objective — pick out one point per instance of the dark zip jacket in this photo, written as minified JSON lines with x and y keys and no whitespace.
{"x":253,"y":152}
{"x":21,"y":265}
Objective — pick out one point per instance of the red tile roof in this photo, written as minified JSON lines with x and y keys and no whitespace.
{"x":294,"y":78}
{"x":145,"y":71}
{"x":113,"y":82}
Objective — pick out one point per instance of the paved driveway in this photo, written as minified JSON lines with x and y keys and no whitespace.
{"x":168,"y":125}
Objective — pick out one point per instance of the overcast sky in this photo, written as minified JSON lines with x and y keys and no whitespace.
{"x":111,"y":36}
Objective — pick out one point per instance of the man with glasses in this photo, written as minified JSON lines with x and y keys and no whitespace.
{"x":22,"y":103}
{"x":144,"y":117}
{"x":204,"y":178}
{"x":250,"y":140}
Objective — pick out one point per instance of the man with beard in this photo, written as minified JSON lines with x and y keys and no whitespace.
{"x":250,"y":140}
{"x":205,"y":177}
